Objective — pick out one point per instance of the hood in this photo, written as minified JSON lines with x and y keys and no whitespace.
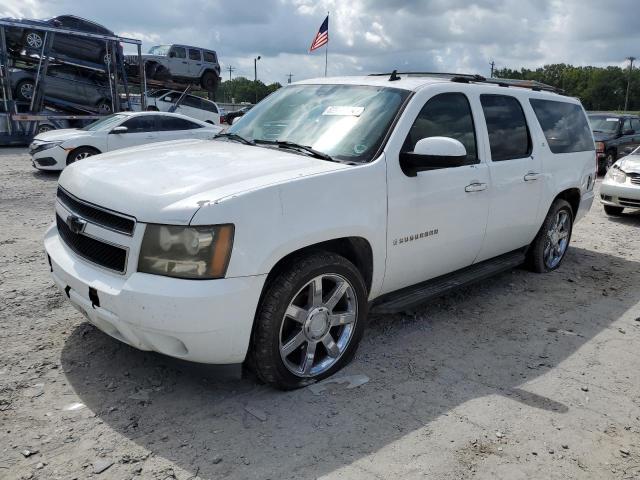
{"x":167,"y":182}
{"x":60,"y":135}
{"x":603,"y":137}
{"x":630,"y":164}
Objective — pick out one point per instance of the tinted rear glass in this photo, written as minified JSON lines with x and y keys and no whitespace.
{"x":565,"y":126}
{"x":508,"y":132}
{"x":209,"y":57}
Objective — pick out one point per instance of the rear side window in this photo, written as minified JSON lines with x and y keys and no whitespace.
{"x":191,"y":101}
{"x":175,"y":123}
{"x":635,"y":125}
{"x":209,"y":106}
{"x":209,"y":57}
{"x":508,"y":131}
{"x":564,"y":124}
{"x":445,"y":115}
{"x":195,"y":54}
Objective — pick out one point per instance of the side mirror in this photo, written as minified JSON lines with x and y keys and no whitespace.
{"x":433,"y":153}
{"x":119,"y":130}
{"x":629,"y":132}
{"x":235,"y":120}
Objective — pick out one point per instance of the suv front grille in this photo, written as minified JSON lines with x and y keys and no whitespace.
{"x":98,"y":216}
{"x":103,"y":254}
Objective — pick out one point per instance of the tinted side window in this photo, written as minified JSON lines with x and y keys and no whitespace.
{"x":179,"y":52}
{"x":209,"y":57}
{"x":564,"y":124}
{"x":191,"y":101}
{"x":195,"y":54}
{"x":209,"y":106}
{"x":146,"y":123}
{"x":445,"y":115}
{"x":626,"y":125}
{"x":508,"y":132}
{"x":175,"y":123}
{"x":635,"y":124}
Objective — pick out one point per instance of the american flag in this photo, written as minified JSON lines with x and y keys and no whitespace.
{"x":322,"y":37}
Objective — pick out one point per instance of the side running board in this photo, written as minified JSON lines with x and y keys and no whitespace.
{"x":412,"y":296}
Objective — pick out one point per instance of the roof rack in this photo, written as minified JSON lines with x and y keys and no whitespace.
{"x":470,"y":77}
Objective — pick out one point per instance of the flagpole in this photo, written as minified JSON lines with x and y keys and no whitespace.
{"x":326,"y":48}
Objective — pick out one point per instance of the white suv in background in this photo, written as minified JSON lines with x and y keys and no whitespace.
{"x":331,"y":198}
{"x":191,"y":105}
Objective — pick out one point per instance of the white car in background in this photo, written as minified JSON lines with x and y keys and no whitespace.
{"x":56,"y":149}
{"x":191,"y":105}
{"x":621,"y":186}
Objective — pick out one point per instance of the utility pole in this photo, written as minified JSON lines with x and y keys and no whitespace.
{"x":289,"y":75}
{"x":255,"y":75}
{"x":230,"y":69}
{"x":626,"y":99}
{"x":493,"y":67}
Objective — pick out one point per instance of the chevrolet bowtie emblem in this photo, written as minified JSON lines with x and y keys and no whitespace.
{"x":76,"y":224}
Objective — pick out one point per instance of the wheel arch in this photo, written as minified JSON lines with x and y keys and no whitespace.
{"x":357,"y":250}
{"x":572,"y":196}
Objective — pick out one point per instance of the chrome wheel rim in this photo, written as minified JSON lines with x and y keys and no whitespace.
{"x":44,"y":129}
{"x":107,"y":58}
{"x":318,"y":325}
{"x":26,"y":90}
{"x":34,"y":40}
{"x":81,"y":156}
{"x":557,"y":239}
{"x":104,"y":107}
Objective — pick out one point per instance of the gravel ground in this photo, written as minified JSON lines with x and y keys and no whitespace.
{"x":522,"y":376}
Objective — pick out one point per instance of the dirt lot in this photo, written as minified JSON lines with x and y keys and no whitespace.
{"x":523,"y":376}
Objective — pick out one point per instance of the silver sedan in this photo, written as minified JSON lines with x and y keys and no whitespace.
{"x":621,"y":186}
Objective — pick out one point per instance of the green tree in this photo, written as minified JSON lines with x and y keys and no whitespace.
{"x":242,"y":89}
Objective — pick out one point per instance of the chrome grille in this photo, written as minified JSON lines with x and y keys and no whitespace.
{"x":97,"y":215}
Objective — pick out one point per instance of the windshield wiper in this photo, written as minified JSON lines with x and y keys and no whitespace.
{"x":234,"y":136}
{"x":296,"y":146}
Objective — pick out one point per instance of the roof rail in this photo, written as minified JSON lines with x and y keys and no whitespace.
{"x":469,"y":77}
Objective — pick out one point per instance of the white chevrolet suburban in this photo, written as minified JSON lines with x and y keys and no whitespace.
{"x":331,"y":198}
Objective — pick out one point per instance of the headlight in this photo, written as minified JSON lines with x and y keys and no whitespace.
{"x":36,"y":146}
{"x":186,"y":252}
{"x":616,"y":175}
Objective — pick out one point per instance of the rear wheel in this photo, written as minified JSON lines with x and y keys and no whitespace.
{"x":209,"y":81}
{"x":33,"y":40}
{"x":548,"y":249}
{"x":609,"y":161}
{"x":613,"y":210}
{"x":81,"y":153}
{"x":104,"y":107}
{"x":25,"y":89}
{"x":309,"y":322}
{"x":45,"y":128}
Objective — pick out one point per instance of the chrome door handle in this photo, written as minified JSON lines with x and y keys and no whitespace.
{"x":475,"y":187}
{"x":531,"y":176}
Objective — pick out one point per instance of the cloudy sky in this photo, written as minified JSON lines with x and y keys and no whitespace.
{"x":370,"y":35}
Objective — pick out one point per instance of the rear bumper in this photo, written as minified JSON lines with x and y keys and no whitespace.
{"x":207,"y":321}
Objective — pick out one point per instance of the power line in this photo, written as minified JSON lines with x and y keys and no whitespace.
{"x":493,"y":67}
{"x":289,"y":75}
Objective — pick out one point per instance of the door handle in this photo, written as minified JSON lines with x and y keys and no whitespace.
{"x":531,"y":176}
{"x":475,"y":187}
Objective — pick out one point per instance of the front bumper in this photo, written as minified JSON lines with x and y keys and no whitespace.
{"x":207,"y":321}
{"x":50,"y":159}
{"x":626,"y":195}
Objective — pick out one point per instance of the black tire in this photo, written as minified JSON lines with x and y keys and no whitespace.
{"x":81,"y":153}
{"x":162,"y":73}
{"x":209,"y":81}
{"x":104,"y":107}
{"x":264,"y":357}
{"x":609,"y":160}
{"x":613,"y":210}
{"x":22,"y":88}
{"x":45,"y":128}
{"x":536,"y":254}
{"x":150,"y":69}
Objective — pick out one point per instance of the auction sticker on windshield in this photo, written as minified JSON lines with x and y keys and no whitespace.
{"x":344,"y":111}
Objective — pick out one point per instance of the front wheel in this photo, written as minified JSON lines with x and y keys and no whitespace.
{"x":25,"y":89}
{"x":548,"y":249}
{"x":80,"y":153}
{"x":33,"y":40}
{"x":309,"y":322}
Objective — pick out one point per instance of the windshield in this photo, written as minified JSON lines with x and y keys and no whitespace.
{"x":105,"y":123}
{"x":160,"y":50}
{"x":602,"y":123}
{"x":347,"y":122}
